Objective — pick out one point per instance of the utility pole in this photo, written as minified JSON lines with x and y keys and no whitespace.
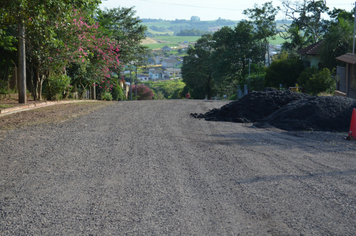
{"x":353,"y":45}
{"x":22,"y":64}
{"x":136,"y":82}
{"x":130,"y":85}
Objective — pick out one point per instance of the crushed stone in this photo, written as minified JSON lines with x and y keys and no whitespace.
{"x":287,"y":110}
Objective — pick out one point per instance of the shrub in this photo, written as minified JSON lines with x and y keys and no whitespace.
{"x":233,"y":97}
{"x":306,"y":75}
{"x":321,"y":82}
{"x":117,"y":93}
{"x":106,"y":96}
{"x":284,"y":72}
{"x":56,"y":86}
{"x":143,"y":92}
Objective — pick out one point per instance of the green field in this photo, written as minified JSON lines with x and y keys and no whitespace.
{"x":177,"y":39}
{"x":277,"y":41}
{"x":171,"y":41}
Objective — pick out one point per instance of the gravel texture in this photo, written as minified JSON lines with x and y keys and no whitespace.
{"x":148,"y":168}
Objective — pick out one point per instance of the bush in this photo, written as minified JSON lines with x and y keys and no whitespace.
{"x":321,"y":82}
{"x":306,"y":75}
{"x":143,"y":92}
{"x":284,"y":71}
{"x":106,"y":96}
{"x":233,"y":97}
{"x":117,"y":93}
{"x":56,"y":86}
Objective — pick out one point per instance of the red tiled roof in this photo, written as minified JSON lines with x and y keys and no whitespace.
{"x":348,"y":58}
{"x":311,"y":49}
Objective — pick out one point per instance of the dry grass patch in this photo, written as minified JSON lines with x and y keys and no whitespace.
{"x":49,"y":115}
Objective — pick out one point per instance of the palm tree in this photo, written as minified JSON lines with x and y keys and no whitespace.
{"x":337,"y":41}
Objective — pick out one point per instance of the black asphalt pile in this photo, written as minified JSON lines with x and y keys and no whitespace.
{"x":252,"y":107}
{"x":287,"y":110}
{"x":314,"y":114}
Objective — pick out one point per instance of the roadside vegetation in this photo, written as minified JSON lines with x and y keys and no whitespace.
{"x":76,"y":49}
{"x":239,"y":56}
{"x":82,"y":48}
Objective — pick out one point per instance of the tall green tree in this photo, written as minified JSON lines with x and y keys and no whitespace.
{"x":338,"y":39}
{"x":126,"y":28}
{"x":233,"y":48}
{"x":41,"y":16}
{"x":307,"y":17}
{"x":197,"y":71}
{"x":263,"y":19}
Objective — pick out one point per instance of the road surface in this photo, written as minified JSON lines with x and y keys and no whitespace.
{"x":148,"y":168}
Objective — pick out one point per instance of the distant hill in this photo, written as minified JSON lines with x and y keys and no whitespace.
{"x":157,"y":27}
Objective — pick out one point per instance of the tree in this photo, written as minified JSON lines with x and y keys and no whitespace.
{"x":284,"y":71}
{"x":21,"y":13}
{"x":122,"y":25}
{"x":307,"y":17}
{"x":337,"y":41}
{"x":264,"y":21}
{"x":296,"y":39}
{"x":321,"y":82}
{"x":197,"y":70}
{"x":143,"y":92}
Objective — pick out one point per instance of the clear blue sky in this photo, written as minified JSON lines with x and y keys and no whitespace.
{"x":205,"y":9}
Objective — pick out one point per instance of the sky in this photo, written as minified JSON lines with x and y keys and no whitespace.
{"x":205,"y":9}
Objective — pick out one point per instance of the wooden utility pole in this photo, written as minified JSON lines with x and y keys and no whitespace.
{"x":353,"y":44}
{"x":22,"y":64}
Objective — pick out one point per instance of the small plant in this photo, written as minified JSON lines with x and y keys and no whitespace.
{"x":57,"y":84}
{"x":106,"y":96}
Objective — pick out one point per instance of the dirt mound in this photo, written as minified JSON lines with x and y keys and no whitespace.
{"x":252,"y":107}
{"x":287,"y":110}
{"x":314,"y":113}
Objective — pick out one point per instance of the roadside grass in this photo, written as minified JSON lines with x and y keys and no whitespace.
{"x":4,"y":106}
{"x":49,"y":115}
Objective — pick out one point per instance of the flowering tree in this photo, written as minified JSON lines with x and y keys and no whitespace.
{"x":75,"y":49}
{"x":91,"y":58}
{"x":143,"y":92}
{"x":45,"y":13}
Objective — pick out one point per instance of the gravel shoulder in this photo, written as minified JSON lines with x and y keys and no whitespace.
{"x":148,"y":168}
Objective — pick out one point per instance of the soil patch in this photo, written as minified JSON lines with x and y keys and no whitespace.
{"x":252,"y":107}
{"x":149,"y":41}
{"x":314,"y":114}
{"x":287,"y":110}
{"x":50,"y":114}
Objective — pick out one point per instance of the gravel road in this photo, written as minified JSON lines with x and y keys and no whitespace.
{"x":148,"y":168}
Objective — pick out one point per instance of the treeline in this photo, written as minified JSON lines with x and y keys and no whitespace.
{"x":221,"y":61}
{"x":67,"y":50}
{"x":177,"y":26}
{"x":192,"y":32}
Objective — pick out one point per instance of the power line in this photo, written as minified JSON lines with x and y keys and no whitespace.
{"x":187,"y":5}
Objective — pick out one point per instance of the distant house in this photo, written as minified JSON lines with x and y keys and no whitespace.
{"x":346,"y":85}
{"x":173,"y":72}
{"x":158,"y":59}
{"x":154,"y":74}
{"x":169,"y":63}
{"x":166,"y":49}
{"x":310,"y":55}
{"x":125,"y":87}
{"x":143,"y":78}
{"x":151,"y":61}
